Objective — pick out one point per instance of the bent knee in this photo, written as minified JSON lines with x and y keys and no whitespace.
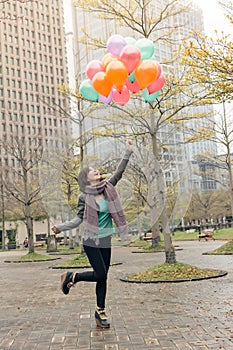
{"x":101,"y":277}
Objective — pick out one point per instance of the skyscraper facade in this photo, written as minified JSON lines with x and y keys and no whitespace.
{"x":32,"y":67}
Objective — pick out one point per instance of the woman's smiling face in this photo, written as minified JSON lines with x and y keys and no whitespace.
{"x":93,"y":175}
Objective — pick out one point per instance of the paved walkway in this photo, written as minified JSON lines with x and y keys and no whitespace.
{"x":34,"y":314}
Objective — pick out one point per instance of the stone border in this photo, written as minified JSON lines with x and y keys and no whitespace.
{"x":209,"y":253}
{"x":30,"y":261}
{"x":220,"y":274}
{"x":63,"y":253}
{"x":80,"y":267}
{"x":143,"y":252}
{"x":159,"y":251}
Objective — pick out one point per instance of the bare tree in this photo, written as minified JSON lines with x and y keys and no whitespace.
{"x":208,"y":206}
{"x":21,"y":180}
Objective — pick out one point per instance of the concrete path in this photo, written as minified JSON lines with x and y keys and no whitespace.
{"x":174,"y":316}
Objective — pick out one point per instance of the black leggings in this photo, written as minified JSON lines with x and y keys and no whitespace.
{"x":99,"y":259}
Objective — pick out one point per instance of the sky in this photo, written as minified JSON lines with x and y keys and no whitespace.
{"x":213,"y":17}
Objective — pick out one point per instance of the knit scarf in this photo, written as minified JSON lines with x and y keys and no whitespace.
{"x":90,"y":217}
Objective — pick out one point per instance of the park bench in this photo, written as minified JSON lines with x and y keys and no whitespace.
{"x":148,"y":236}
{"x":39,"y":244}
{"x":190,"y":230}
{"x":206,"y":234}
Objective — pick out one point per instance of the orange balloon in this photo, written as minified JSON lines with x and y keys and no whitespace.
{"x":102,"y":84}
{"x":117,"y":73}
{"x":145,"y":73}
{"x":107,"y":59}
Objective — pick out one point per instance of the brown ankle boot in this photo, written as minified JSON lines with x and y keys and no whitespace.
{"x":67,"y":281}
{"x":101,"y":318}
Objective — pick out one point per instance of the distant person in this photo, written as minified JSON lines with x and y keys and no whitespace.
{"x":98,"y":207}
{"x":25,"y":243}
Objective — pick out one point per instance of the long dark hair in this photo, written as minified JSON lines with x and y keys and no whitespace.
{"x":82,"y":178}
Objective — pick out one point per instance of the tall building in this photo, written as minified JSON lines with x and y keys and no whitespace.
{"x":32,"y":66}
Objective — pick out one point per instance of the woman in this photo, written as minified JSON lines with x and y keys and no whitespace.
{"x":98,"y":207}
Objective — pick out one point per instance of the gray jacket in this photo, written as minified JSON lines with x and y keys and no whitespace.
{"x":77,"y":220}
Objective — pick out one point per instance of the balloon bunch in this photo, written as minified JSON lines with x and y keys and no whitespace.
{"x":128,"y":66}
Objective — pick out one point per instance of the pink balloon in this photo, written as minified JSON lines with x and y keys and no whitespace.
{"x":131,"y":56}
{"x":94,"y":67}
{"x":132,"y":86}
{"x":157,"y":84}
{"x":115,"y":44}
{"x":159,"y":69}
{"x":104,"y":99}
{"x":121,"y":97}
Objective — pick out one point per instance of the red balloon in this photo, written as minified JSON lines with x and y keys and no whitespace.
{"x":102,"y":84}
{"x":157,"y":84}
{"x":131,"y":56}
{"x":132,"y":86}
{"x":121,"y":97}
{"x":94,"y":67}
{"x":145,"y":73}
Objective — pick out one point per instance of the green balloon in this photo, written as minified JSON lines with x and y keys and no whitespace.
{"x":130,"y":41}
{"x":150,"y":97}
{"x":87,"y":91}
{"x":131,"y":77}
{"x":146,"y":47}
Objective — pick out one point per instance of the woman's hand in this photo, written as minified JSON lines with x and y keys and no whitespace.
{"x":129,"y":145}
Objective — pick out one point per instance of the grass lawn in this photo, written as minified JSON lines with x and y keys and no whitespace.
{"x":225,"y":249}
{"x":65,"y":250}
{"x":146,"y":247}
{"x":79,"y":260}
{"x":33,"y":257}
{"x":172,"y":272}
{"x":224,"y":234}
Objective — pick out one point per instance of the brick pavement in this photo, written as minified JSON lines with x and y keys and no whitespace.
{"x":175,"y":316}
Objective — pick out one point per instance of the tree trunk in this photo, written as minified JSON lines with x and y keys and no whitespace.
{"x":51,"y":243}
{"x":155,"y":235}
{"x":139,"y":223}
{"x":170,"y":255}
{"x":229,"y":159}
{"x":169,"y":250}
{"x":29,"y":225}
{"x":229,"y":165}
{"x":71,"y":240}
{"x":51,"y":239}
{"x":3,"y":217}
{"x":77,"y":237}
